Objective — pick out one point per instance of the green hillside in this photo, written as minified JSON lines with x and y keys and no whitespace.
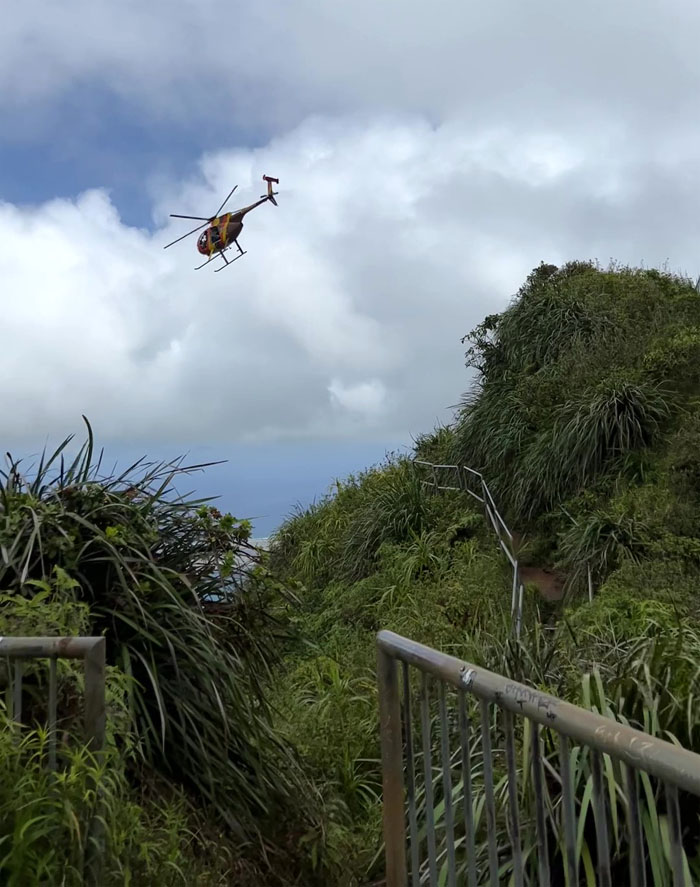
{"x":583,"y":417}
{"x":585,"y":420}
{"x":197,"y":786}
{"x":243,"y":742}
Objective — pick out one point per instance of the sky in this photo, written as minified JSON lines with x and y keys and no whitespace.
{"x":429,"y":156}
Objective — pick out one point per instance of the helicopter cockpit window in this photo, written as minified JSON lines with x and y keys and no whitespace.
{"x":203,"y":239}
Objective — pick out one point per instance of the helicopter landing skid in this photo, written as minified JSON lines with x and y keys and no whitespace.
{"x":239,"y":256}
{"x":211,"y":259}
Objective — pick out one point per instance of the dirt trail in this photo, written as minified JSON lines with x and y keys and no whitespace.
{"x":549,"y":582}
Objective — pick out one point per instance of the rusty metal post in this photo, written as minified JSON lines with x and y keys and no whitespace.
{"x":92,"y":650}
{"x":392,"y":770}
{"x":94,"y":722}
{"x":95,"y":695}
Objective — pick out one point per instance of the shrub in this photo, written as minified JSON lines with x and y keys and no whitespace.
{"x":574,"y":381}
{"x":189,"y":612}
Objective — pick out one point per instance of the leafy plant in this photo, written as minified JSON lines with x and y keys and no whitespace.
{"x":46,"y":820}
{"x":602,"y":543}
{"x":191,"y":615}
{"x":583,"y":420}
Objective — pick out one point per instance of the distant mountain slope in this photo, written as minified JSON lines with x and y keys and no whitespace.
{"x":585,"y":422}
{"x":584,"y":417}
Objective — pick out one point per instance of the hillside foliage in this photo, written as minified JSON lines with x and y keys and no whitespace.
{"x":193,"y":622}
{"x":582,"y":414}
{"x":243,"y":741}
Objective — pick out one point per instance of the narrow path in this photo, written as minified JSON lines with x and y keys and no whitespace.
{"x":549,"y":582}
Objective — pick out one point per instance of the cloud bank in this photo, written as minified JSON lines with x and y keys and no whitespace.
{"x":392,"y":239}
{"x":429,"y":157}
{"x":273,"y":63}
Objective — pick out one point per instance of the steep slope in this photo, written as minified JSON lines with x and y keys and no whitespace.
{"x":584,"y":416}
{"x":584,"y":420}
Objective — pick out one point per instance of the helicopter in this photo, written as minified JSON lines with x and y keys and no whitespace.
{"x":224,"y":230}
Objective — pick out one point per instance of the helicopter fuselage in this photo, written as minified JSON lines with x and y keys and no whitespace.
{"x":223,"y":230}
{"x":221,"y":233}
{"x":226,"y":229}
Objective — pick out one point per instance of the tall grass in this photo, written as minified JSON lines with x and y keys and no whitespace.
{"x":46,"y":821}
{"x":583,"y":419}
{"x":190,"y":613}
{"x":635,"y":681}
{"x":341,"y":536}
{"x":583,"y":385}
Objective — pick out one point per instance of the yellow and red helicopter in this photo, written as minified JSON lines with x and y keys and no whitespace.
{"x":224,"y":230}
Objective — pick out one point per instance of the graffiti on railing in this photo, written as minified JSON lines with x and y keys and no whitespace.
{"x":549,"y":793}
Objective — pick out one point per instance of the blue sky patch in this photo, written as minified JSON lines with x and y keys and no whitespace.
{"x":91,"y":138}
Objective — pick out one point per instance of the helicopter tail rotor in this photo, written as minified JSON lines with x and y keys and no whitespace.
{"x":270,"y":193}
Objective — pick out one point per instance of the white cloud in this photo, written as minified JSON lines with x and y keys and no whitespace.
{"x":272,"y":63}
{"x":364,"y":398}
{"x":391,"y":240}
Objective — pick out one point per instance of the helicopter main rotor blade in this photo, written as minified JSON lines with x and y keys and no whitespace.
{"x":225,"y":202}
{"x":187,"y":235}
{"x":201,"y":218}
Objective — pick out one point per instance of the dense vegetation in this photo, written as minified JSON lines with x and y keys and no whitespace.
{"x":193,"y":623}
{"x":584,"y":419}
{"x":243,"y":728}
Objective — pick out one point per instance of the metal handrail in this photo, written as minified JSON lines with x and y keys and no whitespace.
{"x":494,"y":518}
{"x":660,"y":758}
{"x":92,"y":650}
{"x":676,"y":767}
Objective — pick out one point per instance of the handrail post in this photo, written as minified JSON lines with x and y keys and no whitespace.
{"x":92,"y":650}
{"x":392,"y":770}
{"x":95,"y":695}
{"x":95,"y":734}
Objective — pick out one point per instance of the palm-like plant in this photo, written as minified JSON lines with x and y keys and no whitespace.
{"x":188,"y":609}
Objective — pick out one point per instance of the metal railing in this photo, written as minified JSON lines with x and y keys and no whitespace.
{"x":92,"y":651}
{"x":528,"y":824}
{"x":461,"y":478}
{"x":464,"y":480}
